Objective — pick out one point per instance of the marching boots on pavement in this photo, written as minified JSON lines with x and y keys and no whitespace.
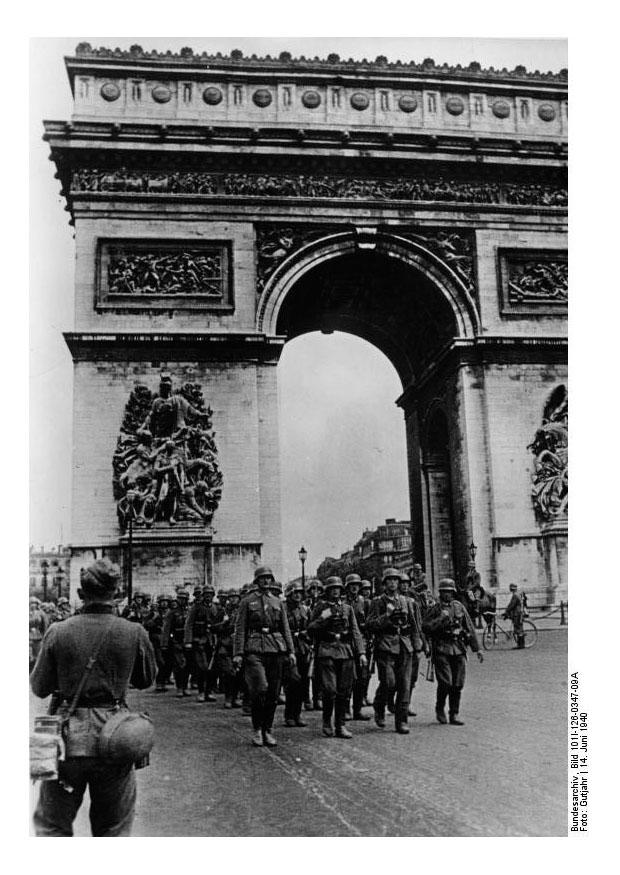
{"x":199,"y":639}
{"x":262,"y":639}
{"x":223,"y":654}
{"x":397,"y":635}
{"x":450,"y":627}
{"x":335,"y":629}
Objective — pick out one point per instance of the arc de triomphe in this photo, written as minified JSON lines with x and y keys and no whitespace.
{"x":223,"y":205}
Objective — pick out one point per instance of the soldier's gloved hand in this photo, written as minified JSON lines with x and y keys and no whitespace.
{"x":326,"y":613}
{"x":188,"y":646}
{"x":363,"y":660}
{"x":480,"y":657}
{"x":237,"y":660}
{"x":292,"y":659}
{"x":389,"y":608}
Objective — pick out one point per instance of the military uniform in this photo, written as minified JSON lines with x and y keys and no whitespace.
{"x":451,"y":630}
{"x":125,"y":656}
{"x":359,"y":606}
{"x":393,"y":620}
{"x":335,"y":629}
{"x":199,"y":638}
{"x":38,"y":623}
{"x":296,"y":678}
{"x":173,"y":638}
{"x":262,"y":637}
{"x":224,"y":630}
{"x":154,"y":625}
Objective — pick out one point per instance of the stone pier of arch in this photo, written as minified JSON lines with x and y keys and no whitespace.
{"x":423,"y":209}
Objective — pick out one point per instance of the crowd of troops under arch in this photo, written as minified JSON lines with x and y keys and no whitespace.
{"x":312,"y":648}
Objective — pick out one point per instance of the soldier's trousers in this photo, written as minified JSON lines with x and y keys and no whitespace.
{"x":263,"y":676}
{"x":201,"y":657}
{"x":415,"y":668}
{"x":337,"y":679}
{"x":228,"y":676}
{"x":180,"y":666}
{"x":295,"y":684}
{"x":112,"y":790}
{"x":394,"y":672}
{"x":164,"y":666}
{"x":360,"y":686}
{"x":450,"y":674}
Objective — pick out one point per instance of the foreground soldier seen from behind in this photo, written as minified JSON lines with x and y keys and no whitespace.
{"x":335,"y":629}
{"x":449,"y":626}
{"x":124,"y":656}
{"x":262,"y":639}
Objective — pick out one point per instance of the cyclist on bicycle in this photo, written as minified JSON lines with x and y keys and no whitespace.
{"x":515,"y":612}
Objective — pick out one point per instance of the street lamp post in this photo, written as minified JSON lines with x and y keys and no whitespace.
{"x":302,"y":558}
{"x":44,"y":571}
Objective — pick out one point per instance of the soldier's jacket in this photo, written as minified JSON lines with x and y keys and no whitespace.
{"x":154,"y":625}
{"x":125,"y":657}
{"x":337,"y":636}
{"x":262,"y":626}
{"x":199,"y":621}
{"x":134,"y":613}
{"x":391,"y":636}
{"x":425,"y":602}
{"x":224,"y":629}
{"x":298,"y":617}
{"x":360,"y":609}
{"x":451,"y":629}
{"x":173,"y":630}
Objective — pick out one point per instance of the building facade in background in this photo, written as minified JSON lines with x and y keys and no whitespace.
{"x":387,"y":546}
{"x":224,"y":205}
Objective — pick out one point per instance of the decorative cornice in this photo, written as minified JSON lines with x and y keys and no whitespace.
{"x":333,"y":63}
{"x":161,"y":346}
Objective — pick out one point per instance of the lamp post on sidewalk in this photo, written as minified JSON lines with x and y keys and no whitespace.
{"x":303,"y":553}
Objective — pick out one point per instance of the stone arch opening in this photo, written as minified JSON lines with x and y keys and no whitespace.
{"x":411,"y":306}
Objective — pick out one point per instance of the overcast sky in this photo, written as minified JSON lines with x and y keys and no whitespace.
{"x":342,"y":438}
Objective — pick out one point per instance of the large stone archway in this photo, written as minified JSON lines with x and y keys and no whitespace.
{"x":224,"y":205}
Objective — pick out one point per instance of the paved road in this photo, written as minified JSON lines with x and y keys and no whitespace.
{"x":503,"y":773}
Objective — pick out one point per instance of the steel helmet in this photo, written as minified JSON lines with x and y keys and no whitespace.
{"x":352,"y":578}
{"x":390,"y":572}
{"x":126,"y":737}
{"x":332,"y":582}
{"x":263,"y":571}
{"x":294,"y":586}
{"x":447,"y":584}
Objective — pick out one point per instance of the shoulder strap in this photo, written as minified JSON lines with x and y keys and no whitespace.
{"x":89,"y":665}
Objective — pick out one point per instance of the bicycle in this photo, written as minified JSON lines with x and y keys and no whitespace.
{"x":497,"y":637}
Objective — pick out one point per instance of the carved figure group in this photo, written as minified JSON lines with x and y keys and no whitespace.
{"x":178,"y":273}
{"x":550,"y":449}
{"x":165,"y":464}
{"x":539,"y":281}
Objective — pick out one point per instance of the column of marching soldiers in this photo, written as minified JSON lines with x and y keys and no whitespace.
{"x":312,"y":648}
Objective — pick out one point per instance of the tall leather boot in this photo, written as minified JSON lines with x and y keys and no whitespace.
{"x":328,"y":710}
{"x":455,"y":702}
{"x":400,"y":721}
{"x":341,"y":708}
{"x":440,"y":704}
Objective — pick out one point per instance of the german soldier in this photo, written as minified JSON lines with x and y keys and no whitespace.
{"x":222,"y":657}
{"x":123,"y":655}
{"x":335,"y":628}
{"x":262,"y":638}
{"x":297,"y":677}
{"x":353,"y":583}
{"x":397,"y":636}
{"x":451,"y":630}
{"x":154,"y":625}
{"x":199,"y":638}
{"x":173,"y":636}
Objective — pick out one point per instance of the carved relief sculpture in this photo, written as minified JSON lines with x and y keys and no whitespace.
{"x":550,"y":449}
{"x":165,"y":464}
{"x":179,"y":273}
{"x":538,"y":282}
